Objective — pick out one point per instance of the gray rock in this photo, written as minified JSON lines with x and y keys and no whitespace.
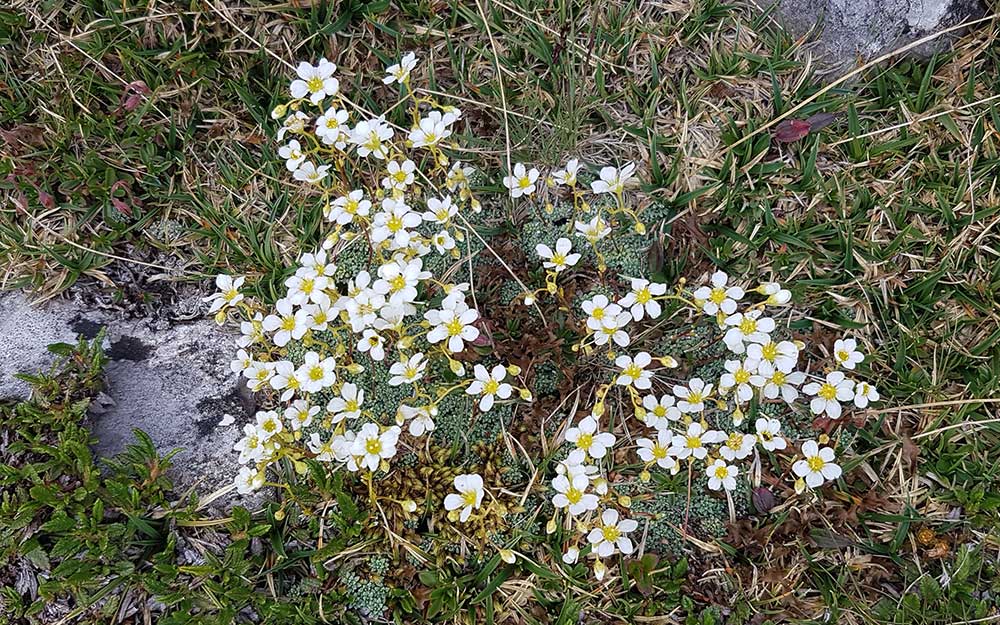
{"x":850,"y":32}
{"x":174,"y":384}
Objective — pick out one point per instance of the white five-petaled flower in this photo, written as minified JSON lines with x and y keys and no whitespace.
{"x":440,"y":211}
{"x":748,"y":327}
{"x":316,"y":374}
{"x":737,"y":446}
{"x":408,"y":371}
{"x":304,"y":288}
{"x":285,"y":377}
{"x":567,"y":175}
{"x":332,"y":128}
{"x":344,"y":209}
{"x":783,"y":355}
{"x":845,"y":352}
{"x":348,"y":404}
{"x":633,"y":370}
{"x":521,"y":181}
{"x":316,"y":81}
{"x":657,"y":451}
{"x":641,"y":300}
{"x":250,"y":447}
{"x":597,"y":308}
{"x":721,"y":475}
{"x":372,"y":343}
{"x":659,"y":412}
{"x":430,"y":130}
{"x":817,"y":466}
{"x":489,"y":384}
{"x":559,"y":259}
{"x":692,"y":397}
{"x":829,"y":394}
{"x":718,"y":296}
{"x":373,"y":446}
{"x":768,"y":433}
{"x":612,"y":328}
{"x":268,"y":424}
{"x":741,"y":376}
{"x":300,"y":414}
{"x":248,"y":480}
{"x":691,"y":444}
{"x":394,"y":223}
{"x":400,"y":72}
{"x":292,"y":153}
{"x":421,"y":418}
{"x":586,"y":437}
{"x":611,"y":535}
{"x":454,"y":325}
{"x":229,"y":292}
{"x":776,"y":296}
{"x":613,"y":180}
{"x":399,"y":175}
{"x":288,"y":324}
{"x":370,"y":137}
{"x":469,"y":496}
{"x":308,"y":172}
{"x":864,"y":393}
{"x":778,"y":382}
{"x":593,"y":230}
{"x":571,"y":493}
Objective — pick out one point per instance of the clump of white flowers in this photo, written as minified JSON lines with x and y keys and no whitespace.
{"x":306,"y":352}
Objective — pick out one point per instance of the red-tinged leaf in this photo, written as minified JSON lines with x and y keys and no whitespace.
{"x":124,"y":207}
{"x":47,"y":200}
{"x":821,"y":120}
{"x":133,"y":95}
{"x":791,"y":130}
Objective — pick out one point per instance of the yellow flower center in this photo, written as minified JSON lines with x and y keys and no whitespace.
{"x":559,"y":259}
{"x":373,"y":341}
{"x":815,"y":463}
{"x":659,"y":451}
{"x":748,"y":325}
{"x":262,"y":374}
{"x":398,"y":283}
{"x":332,"y":123}
{"x":373,"y":446}
{"x":230,"y":295}
{"x":293,"y":382}
{"x":574,"y":495}
{"x":288,"y":323}
{"x":735,"y":440}
{"x":695,"y":397}
{"x":469,"y":497}
{"x":610,"y":533}
{"x":395,"y":224}
{"x":842,"y":356}
{"x":585,"y":441}
{"x":524,"y":183}
{"x":742,"y":376}
{"x":430,"y":137}
{"x":316,"y":373}
{"x":320,"y":318}
{"x":308,"y":285}
{"x":454,"y":327}
{"x":410,"y":372}
{"x":643,"y":296}
{"x":660,"y":411}
{"x":399,"y":176}
{"x":491,"y":387}
{"x":769,"y":352}
{"x":351,"y":405}
{"x":633,"y":371}
{"x":721,"y":472}
{"x":717,"y":296}
{"x":598,"y":314}
{"x":828,"y":391}
{"x":351,"y":207}
{"x":778,"y":379}
{"x":693,"y":442}
{"x":315,"y":84}
{"x":269,"y":425}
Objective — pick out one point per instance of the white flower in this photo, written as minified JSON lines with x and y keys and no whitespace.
{"x":718,"y":296}
{"x":370,"y":136}
{"x":660,"y":412}
{"x":344,"y":209}
{"x":332,"y":129}
{"x":400,"y":72}
{"x":319,"y":315}
{"x":408,"y":371}
{"x":286,"y":377}
{"x":633,"y":370}
{"x":248,"y":480}
{"x":454,"y":325}
{"x":398,"y":280}
{"x":641,"y":299}
{"x":469,"y":497}
{"x":571,"y":556}
{"x":315,"y":264}
{"x":845,"y":352}
{"x":489,"y":385}
{"x":372,"y":343}
{"x":258,"y":374}
{"x":315,"y":80}
{"x":737,"y":446}
{"x":394,"y":222}
{"x":288,"y":324}
{"x":657,"y":451}
{"x":740,"y":376}
{"x":252,"y":331}
{"x":612,"y":328}
{"x":400,"y":176}
{"x":586,"y":437}
{"x":778,"y":382}
{"x":323,"y":450}
{"x":429,"y":131}
{"x":443,"y":242}
{"x":241,"y":363}
{"x":776,"y":296}
{"x":307,"y":288}
{"x":692,"y":397}
{"x":571,"y":493}
{"x":593,"y":230}
{"x":268,"y":424}
{"x":440,"y":211}
{"x":300,"y":414}
{"x":228,"y":295}
{"x":783,"y":355}
{"x":768,"y":434}
{"x":348,"y":404}
{"x":362,"y":308}
{"x":458,"y":176}
{"x":292,"y":153}
{"x":597,"y":309}
{"x":611,"y":535}
{"x":721,"y":475}
{"x":864,"y":393}
{"x":692,"y":442}
{"x":614,"y":180}
{"x":317,"y":374}
{"x":561,"y":258}
{"x":829,"y":394}
{"x":521,"y":181}
{"x":747,"y":327}
{"x":295,"y":124}
{"x":421,"y":419}
{"x":818,"y":465}
{"x":373,"y":447}
{"x":307,"y":172}
{"x":567,"y":176}
{"x":250,"y":446}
